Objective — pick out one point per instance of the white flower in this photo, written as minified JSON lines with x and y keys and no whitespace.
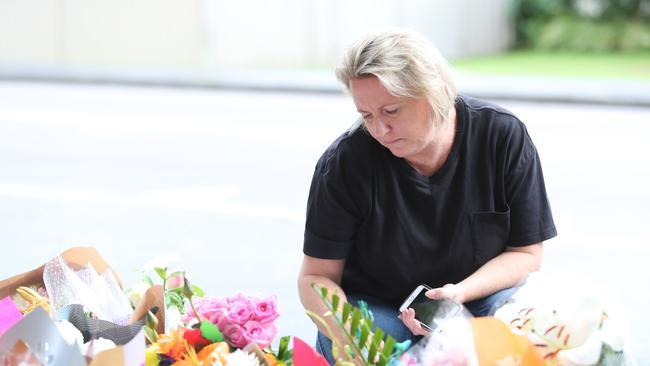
{"x":569,"y":314}
{"x":160,"y":262}
{"x":172,"y":319}
{"x":136,"y":292}
{"x":241,"y":358}
{"x":587,"y":354}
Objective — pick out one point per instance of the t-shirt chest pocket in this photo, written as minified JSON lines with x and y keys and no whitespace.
{"x":490,"y":231}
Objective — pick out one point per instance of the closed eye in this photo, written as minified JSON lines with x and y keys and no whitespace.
{"x":391,"y":111}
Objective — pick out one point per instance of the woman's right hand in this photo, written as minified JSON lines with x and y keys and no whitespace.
{"x":408,"y":318}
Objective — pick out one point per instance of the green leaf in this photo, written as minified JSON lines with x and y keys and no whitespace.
{"x":347,"y":308}
{"x":150,"y":320}
{"x":162,"y":273}
{"x":172,"y":298}
{"x":363,"y":337}
{"x":368,"y":324}
{"x":210,"y":331}
{"x":323,"y":292}
{"x":147,"y":279}
{"x":187,"y":289}
{"x":198,"y":292}
{"x":389,"y":345}
{"x":335,"y":302}
{"x":283,"y":347}
{"x":356,"y":316}
{"x":151,"y":334}
{"x":374,"y":346}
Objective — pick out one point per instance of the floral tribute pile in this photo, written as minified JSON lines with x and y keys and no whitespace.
{"x":72,"y":312}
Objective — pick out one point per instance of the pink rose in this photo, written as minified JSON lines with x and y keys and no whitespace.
{"x":241,"y":312}
{"x":208,"y":308}
{"x":175,"y":282}
{"x":262,"y":334}
{"x":235,"y":335}
{"x":220,"y":318}
{"x":266,"y":310}
{"x":239,"y":298}
{"x":210,"y":304}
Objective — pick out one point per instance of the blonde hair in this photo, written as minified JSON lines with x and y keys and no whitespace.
{"x":406,"y":64}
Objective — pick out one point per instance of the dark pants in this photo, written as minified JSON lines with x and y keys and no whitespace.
{"x":386,"y":318}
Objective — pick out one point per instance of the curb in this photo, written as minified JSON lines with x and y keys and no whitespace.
{"x":524,"y":88}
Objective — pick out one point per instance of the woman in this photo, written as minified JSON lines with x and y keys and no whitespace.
{"x":429,"y":187}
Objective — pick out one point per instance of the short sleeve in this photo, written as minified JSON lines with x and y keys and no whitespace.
{"x":336,"y":204}
{"x":531,"y":220}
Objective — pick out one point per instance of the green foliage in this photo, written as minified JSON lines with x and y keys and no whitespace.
{"x":557,"y":63}
{"x":530,"y":16}
{"x":284,"y":355}
{"x":146,"y":279}
{"x":197,"y":291}
{"x":372,"y":346}
{"x":582,"y":25}
{"x":175,"y":298}
{"x":577,"y":35}
{"x":150,"y":323}
{"x":635,"y":35}
{"x":162,"y":273}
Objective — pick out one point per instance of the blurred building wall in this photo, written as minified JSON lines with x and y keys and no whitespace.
{"x":50,"y":36}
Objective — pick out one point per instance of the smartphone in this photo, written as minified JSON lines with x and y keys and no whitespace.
{"x":425,"y":308}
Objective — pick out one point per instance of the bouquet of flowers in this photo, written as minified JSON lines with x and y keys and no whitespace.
{"x":235,"y":330}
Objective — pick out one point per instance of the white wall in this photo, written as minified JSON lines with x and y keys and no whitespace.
{"x":212,"y":35}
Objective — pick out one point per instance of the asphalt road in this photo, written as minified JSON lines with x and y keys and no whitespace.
{"x":221,"y":179}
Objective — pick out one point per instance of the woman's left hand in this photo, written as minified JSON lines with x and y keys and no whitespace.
{"x":449,"y":291}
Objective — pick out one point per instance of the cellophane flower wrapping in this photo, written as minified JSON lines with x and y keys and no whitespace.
{"x":450,"y":343}
{"x":100,"y":294}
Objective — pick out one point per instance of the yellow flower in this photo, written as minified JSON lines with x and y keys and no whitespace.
{"x":151,"y":356}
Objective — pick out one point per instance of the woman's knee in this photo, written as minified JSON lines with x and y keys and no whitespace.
{"x":324,"y":347}
{"x":489,"y":304}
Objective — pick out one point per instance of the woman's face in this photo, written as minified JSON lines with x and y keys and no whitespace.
{"x":402,"y":125}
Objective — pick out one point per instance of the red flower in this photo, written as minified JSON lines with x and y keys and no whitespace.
{"x":194,"y":337}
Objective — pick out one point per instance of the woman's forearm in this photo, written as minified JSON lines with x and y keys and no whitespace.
{"x":508,"y":269}
{"x":312,"y":301}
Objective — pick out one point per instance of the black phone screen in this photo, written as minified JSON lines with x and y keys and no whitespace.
{"x":425,"y":308}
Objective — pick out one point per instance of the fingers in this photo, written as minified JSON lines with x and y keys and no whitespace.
{"x":435,"y":294}
{"x":448,"y":291}
{"x":408,"y":318}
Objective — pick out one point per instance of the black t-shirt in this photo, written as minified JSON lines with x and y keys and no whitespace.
{"x":397,"y":228}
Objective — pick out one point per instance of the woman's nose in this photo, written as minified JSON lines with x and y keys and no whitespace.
{"x":381,"y":128}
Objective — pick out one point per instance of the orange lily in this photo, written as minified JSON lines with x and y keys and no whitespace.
{"x":213,"y":353}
